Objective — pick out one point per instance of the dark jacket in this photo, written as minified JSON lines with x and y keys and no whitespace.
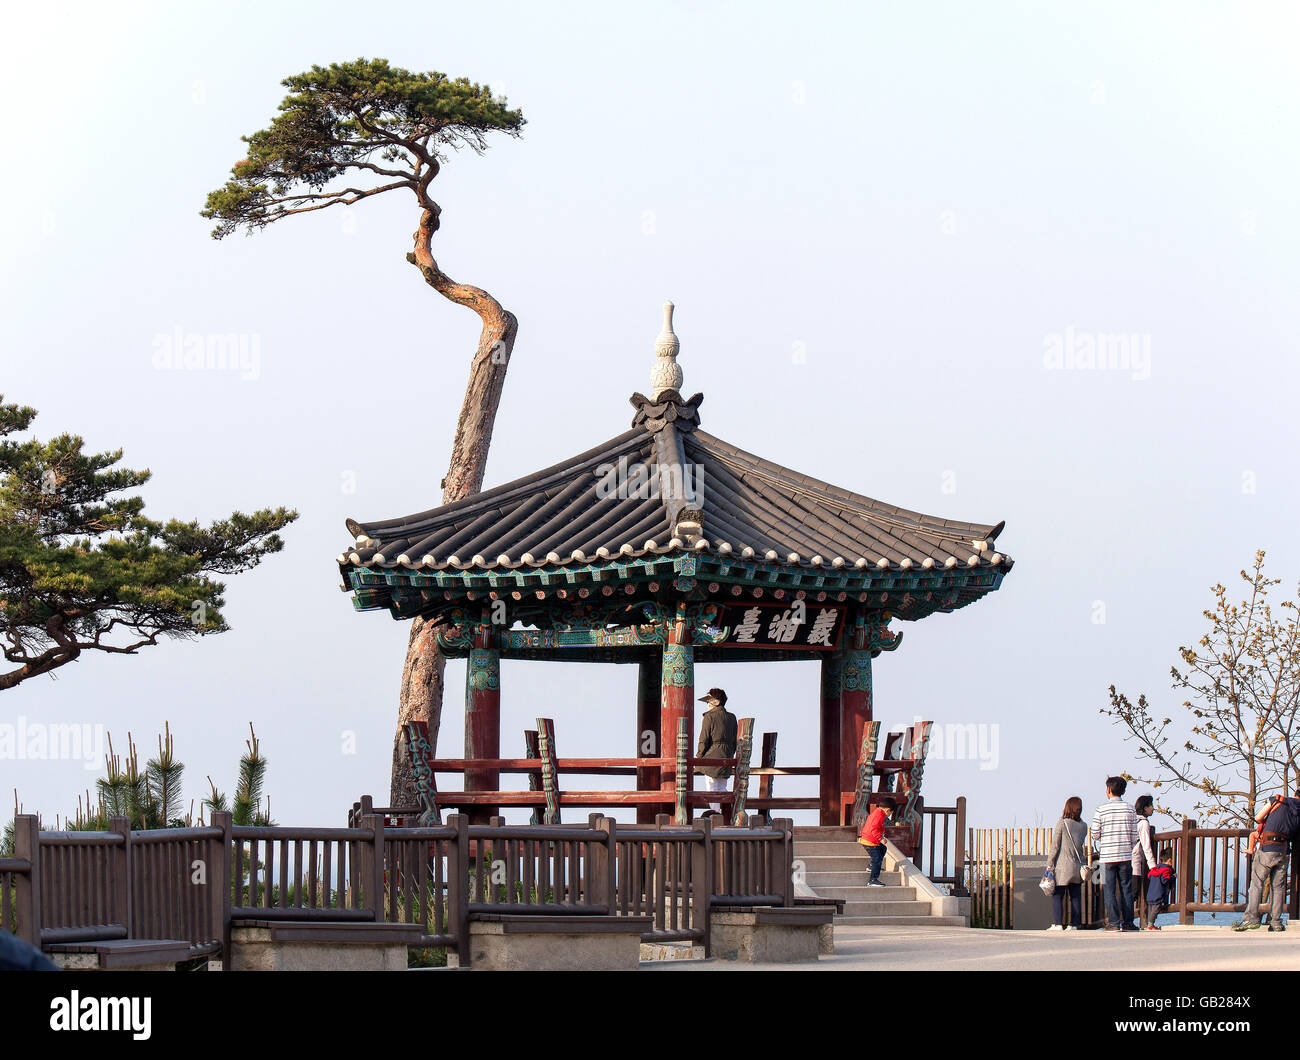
{"x":717,"y":740}
{"x":19,"y":956}
{"x":1284,"y":819}
{"x":1160,"y":885}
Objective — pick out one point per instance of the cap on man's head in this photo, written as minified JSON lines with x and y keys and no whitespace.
{"x":716,"y":695}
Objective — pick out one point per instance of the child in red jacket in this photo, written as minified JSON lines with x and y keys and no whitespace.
{"x":872,"y":837}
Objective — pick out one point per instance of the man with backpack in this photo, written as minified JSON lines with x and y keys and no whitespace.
{"x":1279,"y":826}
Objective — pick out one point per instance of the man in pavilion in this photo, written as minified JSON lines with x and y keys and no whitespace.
{"x":717,"y":740}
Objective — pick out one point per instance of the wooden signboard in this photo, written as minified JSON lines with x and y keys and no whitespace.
{"x":798,"y":624}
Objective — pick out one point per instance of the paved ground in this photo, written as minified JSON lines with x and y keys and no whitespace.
{"x":973,"y":949}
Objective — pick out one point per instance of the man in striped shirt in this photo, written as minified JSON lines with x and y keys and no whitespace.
{"x":1114,"y":834}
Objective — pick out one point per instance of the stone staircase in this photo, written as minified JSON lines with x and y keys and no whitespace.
{"x":837,"y":866}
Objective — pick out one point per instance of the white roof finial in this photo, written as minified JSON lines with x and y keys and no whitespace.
{"x":666,"y":373}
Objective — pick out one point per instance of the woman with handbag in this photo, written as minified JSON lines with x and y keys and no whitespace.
{"x":1065,"y":859}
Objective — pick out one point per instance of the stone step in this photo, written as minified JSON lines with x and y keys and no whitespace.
{"x":869,"y":894}
{"x":809,"y":848}
{"x":899,"y":921}
{"x":878,"y":908}
{"x":849,"y":862}
{"x":819,"y":831}
{"x":817,"y":879}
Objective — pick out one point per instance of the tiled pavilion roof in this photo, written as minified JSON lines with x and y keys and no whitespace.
{"x":666,"y":486}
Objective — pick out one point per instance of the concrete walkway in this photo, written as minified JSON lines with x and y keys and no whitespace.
{"x":975,"y":949}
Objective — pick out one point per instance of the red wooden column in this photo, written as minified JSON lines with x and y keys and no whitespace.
{"x":677,"y":702}
{"x":649,"y":743}
{"x":828,"y":788}
{"x":483,"y":717}
{"x":855,"y":703}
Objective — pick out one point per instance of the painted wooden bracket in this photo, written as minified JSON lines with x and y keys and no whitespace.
{"x":550,"y":770}
{"x":534,"y":775}
{"x":680,"y":815}
{"x":740,"y":785}
{"x":416,"y":734}
{"x":910,"y":780}
{"x":866,"y":772}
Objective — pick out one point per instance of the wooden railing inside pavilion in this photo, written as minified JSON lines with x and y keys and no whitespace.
{"x":895,"y":778}
{"x":1211,"y":866}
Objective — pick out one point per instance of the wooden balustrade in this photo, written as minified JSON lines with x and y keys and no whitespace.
{"x":1213,"y":871}
{"x":194,"y":883}
{"x":1211,"y":866}
{"x":941,"y":852}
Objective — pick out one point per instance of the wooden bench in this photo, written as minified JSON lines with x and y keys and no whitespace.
{"x":105,"y":954}
{"x":321,"y":945}
{"x":521,"y":942}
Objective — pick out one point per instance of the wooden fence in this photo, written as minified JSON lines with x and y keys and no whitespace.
{"x":989,"y":877}
{"x":1213,"y":872}
{"x":941,"y":850}
{"x":193,"y":884}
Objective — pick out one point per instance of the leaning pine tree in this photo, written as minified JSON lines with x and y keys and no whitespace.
{"x":348,"y":132}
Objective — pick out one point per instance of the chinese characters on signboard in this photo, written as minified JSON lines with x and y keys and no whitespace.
{"x":796,"y":625}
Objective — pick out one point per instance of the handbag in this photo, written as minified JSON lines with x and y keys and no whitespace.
{"x":1048,"y":882}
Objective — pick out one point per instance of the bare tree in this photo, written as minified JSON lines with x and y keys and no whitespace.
{"x":1235,"y":740}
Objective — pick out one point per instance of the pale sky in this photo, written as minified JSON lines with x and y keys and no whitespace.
{"x":880,"y":224}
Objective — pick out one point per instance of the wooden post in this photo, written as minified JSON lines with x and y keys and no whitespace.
{"x":677,"y":683}
{"x":786,"y":856}
{"x":649,"y":741}
{"x":920,"y":834}
{"x":221,"y":881}
{"x":458,"y":887}
{"x":605,"y":881}
{"x":1187,"y":858}
{"x":532,"y":749}
{"x":828,"y":781}
{"x":959,"y":850}
{"x":483,"y":716}
{"x":702,"y":883}
{"x":1293,"y":905}
{"x":681,"y":811}
{"x":373,"y":864}
{"x":27,"y":888}
{"x":765,"y":781}
{"x":550,"y":770}
{"x":855,"y":713}
{"x":740,"y":782}
{"x":123,"y":875}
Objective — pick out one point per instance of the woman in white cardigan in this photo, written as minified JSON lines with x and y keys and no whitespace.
{"x":1144,"y":860}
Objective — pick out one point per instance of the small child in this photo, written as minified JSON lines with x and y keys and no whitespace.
{"x":1160,"y":889}
{"x":872,"y":837}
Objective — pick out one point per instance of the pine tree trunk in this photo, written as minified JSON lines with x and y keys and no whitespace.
{"x":423,"y":671}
